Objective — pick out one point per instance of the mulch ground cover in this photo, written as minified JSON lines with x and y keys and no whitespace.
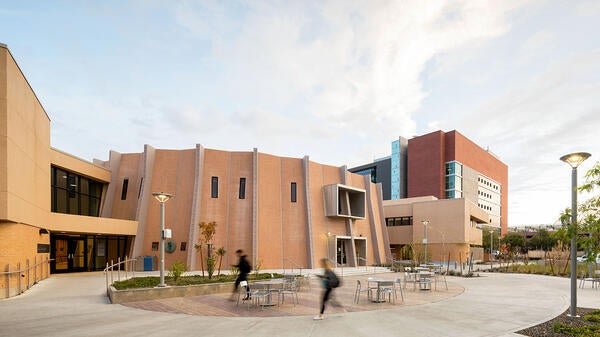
{"x":587,"y":325}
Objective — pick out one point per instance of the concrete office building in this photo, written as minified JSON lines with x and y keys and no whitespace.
{"x":284,"y":212}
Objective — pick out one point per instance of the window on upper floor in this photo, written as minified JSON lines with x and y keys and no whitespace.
{"x":71,"y":193}
{"x":293,"y":192}
{"x":242,"y":193}
{"x":214,"y":187}
{"x":124,"y":189}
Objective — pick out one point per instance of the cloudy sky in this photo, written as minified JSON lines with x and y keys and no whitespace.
{"x":335,"y":80}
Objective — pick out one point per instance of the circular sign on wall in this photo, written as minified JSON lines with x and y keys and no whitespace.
{"x":170,"y":246}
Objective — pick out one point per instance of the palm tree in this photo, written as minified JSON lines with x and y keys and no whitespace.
{"x":221,"y":252}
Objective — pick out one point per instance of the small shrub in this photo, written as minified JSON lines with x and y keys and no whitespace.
{"x":211,"y":263}
{"x":593,"y":316}
{"x":580,"y":331}
{"x":177,"y":269}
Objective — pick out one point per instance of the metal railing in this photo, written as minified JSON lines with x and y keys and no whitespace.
{"x":26,"y":274}
{"x":294,"y":264}
{"x":128,"y":270}
{"x":367,"y":264}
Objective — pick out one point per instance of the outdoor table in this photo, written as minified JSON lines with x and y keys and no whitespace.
{"x":425,"y":280}
{"x":378,"y":299}
{"x":270,"y":284}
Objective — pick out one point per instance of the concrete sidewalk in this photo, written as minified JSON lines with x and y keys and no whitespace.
{"x":491,"y":305}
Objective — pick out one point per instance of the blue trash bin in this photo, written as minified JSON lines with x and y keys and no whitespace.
{"x":147,"y":263}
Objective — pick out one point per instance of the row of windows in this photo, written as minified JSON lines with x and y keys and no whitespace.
{"x":484,"y":194}
{"x":489,"y":184}
{"x":71,"y":193}
{"x":399,"y":221}
{"x":214,"y":189}
{"x":486,"y":207}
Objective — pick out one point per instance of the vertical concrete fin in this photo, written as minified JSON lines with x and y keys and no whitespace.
{"x":196,"y":207}
{"x":227,"y":217}
{"x":255,"y":206}
{"x":349,"y":222}
{"x":114,"y":164}
{"x":375,"y":237}
{"x":309,"y":237}
{"x":386,"y":237}
{"x":281,"y":212}
{"x":145,"y":197}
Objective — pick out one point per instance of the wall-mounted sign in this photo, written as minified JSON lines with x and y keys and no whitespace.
{"x":43,"y":248}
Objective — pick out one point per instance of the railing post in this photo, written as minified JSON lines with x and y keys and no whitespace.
{"x":19,"y":278}
{"x":27,"y":262}
{"x":106,"y":277}
{"x":111,"y":271}
{"x":119,"y":268}
{"x":8,"y":283}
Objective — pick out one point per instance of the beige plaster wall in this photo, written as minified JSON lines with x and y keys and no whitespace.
{"x":59,"y":222}
{"x":450,"y":228}
{"x":293,"y":215}
{"x":25,"y":140}
{"x":270,"y":247}
{"x":130,"y":167}
{"x":238,"y":231}
{"x":82,"y":167}
{"x":173,"y":172}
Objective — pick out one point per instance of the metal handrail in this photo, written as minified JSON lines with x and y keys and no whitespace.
{"x":366,"y":263}
{"x":128,"y":269}
{"x":294,"y":264}
{"x":27,"y":271}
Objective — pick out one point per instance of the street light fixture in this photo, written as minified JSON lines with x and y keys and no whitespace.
{"x":162,"y":198}
{"x":425,"y":223}
{"x":574,"y":160}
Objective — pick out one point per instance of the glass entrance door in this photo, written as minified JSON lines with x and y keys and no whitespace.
{"x":68,"y":253}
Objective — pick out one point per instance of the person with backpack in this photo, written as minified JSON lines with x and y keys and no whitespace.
{"x":330,"y":281}
{"x":244,"y":269}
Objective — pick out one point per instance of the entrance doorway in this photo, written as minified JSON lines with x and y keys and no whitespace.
{"x":68,"y":253}
{"x":83,"y":252}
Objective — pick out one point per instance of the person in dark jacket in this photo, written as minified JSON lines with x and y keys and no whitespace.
{"x":330,"y":281}
{"x":244,"y":268}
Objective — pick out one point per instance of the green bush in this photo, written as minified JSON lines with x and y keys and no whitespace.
{"x":152,"y":281}
{"x":177,"y":269}
{"x":580,"y":331}
{"x":593,"y":316}
{"x":211,"y":263}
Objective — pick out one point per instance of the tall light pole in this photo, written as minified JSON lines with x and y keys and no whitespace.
{"x":162,"y":198}
{"x":425,"y":223}
{"x":574,"y":159}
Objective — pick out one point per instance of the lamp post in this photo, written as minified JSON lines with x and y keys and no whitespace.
{"x":574,"y":159}
{"x":425,"y":223}
{"x":162,"y":198}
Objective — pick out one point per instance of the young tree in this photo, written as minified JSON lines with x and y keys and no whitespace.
{"x":221,"y":252}
{"x":207,"y":232}
{"x":589,"y":213}
{"x":514,"y":242}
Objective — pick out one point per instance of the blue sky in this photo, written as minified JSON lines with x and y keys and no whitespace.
{"x":335,"y":80}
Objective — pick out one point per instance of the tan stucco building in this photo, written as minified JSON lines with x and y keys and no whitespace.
{"x":284,"y":212}
{"x":452,"y":233}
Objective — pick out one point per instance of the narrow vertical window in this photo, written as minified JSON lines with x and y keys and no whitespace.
{"x":214,"y":187}
{"x":293,"y":192}
{"x":141,"y":184}
{"x":124,"y":190}
{"x":242,"y":188}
